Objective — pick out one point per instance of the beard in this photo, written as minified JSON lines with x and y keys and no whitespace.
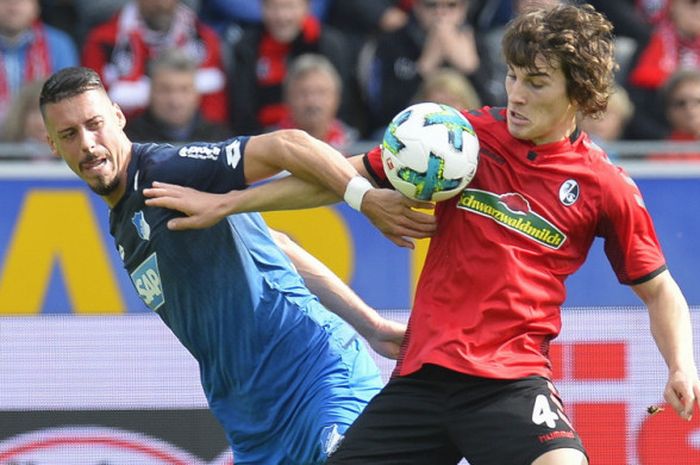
{"x":105,"y":188}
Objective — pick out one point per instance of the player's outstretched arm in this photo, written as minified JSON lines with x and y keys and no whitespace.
{"x":204,"y":209}
{"x":384,"y":336}
{"x":671,"y":327}
{"x":391,"y":212}
{"x":304,"y":156}
{"x":314,"y":161}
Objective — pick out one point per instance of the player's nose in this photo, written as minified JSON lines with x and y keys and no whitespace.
{"x":87,"y":141}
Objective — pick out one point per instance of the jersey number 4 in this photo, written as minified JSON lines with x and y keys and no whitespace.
{"x":542,"y":412}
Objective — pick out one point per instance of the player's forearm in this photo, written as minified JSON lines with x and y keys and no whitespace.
{"x":333,"y":293}
{"x":288,"y":193}
{"x":672,"y":331}
{"x":670,"y":324}
{"x":305,"y":157}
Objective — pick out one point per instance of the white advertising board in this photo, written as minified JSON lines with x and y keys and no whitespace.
{"x":607,"y":369}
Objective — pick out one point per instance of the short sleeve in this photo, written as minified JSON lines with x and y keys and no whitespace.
{"x":631,"y":244}
{"x":373,"y":164}
{"x":211,"y":167}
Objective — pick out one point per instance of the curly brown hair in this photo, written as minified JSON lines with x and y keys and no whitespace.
{"x":577,"y":38}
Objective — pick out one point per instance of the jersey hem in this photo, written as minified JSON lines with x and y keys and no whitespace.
{"x":650,"y":276}
{"x":476,"y":372}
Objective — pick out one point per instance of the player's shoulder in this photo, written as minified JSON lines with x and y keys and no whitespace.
{"x":610,"y":176}
{"x":491,"y":128}
{"x":151,"y":154}
{"x":595,"y":156}
{"x":155,"y":153}
{"x":486,"y":116}
{"x":488,"y":122}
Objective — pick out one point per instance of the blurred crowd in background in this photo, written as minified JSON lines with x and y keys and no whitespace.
{"x":185,"y":70}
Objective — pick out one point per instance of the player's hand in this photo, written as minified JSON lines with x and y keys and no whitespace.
{"x":392,"y":213}
{"x":683,"y":392}
{"x":386,"y":338}
{"x":202,"y":209}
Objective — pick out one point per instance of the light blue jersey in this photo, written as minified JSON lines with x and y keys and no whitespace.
{"x":284,"y":376}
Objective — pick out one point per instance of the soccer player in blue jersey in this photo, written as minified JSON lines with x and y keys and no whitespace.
{"x":284,"y":376}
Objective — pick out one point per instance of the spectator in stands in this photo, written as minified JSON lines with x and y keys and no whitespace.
{"x":681,"y":95}
{"x":436,"y":36}
{"x":358,"y":20}
{"x":261,"y":57}
{"x":78,"y":17}
{"x":24,"y":123}
{"x":449,"y":87}
{"x":674,"y":44}
{"x":120,"y":49}
{"x":489,"y":14}
{"x":29,"y":49}
{"x":240,"y":13}
{"x":312,"y":92}
{"x":633,"y":25}
{"x":651,"y":10}
{"x":368,"y":16}
{"x":62,"y":15}
{"x":631,"y":18}
{"x":173,"y":112}
{"x":610,"y":125}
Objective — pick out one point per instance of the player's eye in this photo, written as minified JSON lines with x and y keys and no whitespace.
{"x":95,"y":124}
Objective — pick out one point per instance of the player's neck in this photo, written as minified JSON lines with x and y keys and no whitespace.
{"x":113,"y":198}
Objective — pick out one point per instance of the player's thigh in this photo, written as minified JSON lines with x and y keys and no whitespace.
{"x":402,"y":425}
{"x":330,"y":405}
{"x":562,"y":457}
{"x":515,"y":422}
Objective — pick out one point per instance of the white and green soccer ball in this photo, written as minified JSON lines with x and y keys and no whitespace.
{"x":430,"y":152}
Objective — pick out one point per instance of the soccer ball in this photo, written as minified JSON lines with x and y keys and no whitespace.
{"x":430,"y":152}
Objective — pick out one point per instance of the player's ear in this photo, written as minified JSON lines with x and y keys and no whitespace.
{"x":120,"y":115}
{"x":52,"y":146}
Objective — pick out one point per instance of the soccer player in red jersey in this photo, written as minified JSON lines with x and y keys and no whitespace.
{"x":473,"y":377}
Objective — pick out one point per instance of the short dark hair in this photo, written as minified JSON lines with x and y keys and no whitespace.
{"x":67,"y":83}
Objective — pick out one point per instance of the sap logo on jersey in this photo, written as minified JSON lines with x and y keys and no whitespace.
{"x":200,"y":152}
{"x":146,"y":279}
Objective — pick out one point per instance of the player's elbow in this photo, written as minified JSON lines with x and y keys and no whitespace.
{"x":280,"y":238}
{"x":288,"y":145}
{"x":294,"y":137}
{"x":284,"y":242}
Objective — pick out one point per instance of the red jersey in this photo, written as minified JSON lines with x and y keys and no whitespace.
{"x":488,"y":299}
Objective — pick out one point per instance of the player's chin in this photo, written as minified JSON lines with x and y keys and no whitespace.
{"x":519,"y":131}
{"x":102,"y":186}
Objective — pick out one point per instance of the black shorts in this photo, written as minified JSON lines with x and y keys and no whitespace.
{"x":437,"y":416}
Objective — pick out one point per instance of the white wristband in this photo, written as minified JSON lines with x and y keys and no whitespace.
{"x":355,"y":191}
